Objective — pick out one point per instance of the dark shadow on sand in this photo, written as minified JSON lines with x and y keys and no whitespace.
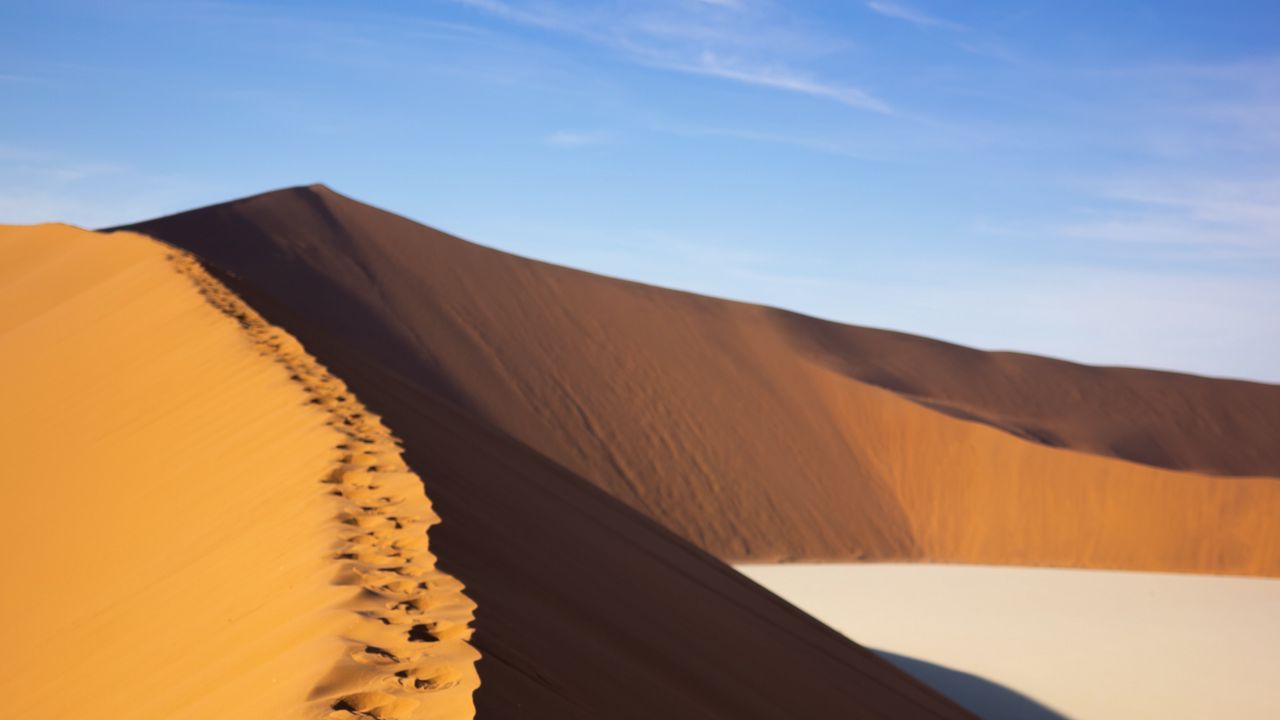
{"x":981,"y":696}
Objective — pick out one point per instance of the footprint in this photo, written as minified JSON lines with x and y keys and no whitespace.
{"x":422,"y":633}
{"x":428,"y":678}
{"x":374,"y":655}
{"x":376,"y":705}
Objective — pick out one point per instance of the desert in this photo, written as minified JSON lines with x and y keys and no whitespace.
{"x":680,"y":359}
{"x":294,"y":342}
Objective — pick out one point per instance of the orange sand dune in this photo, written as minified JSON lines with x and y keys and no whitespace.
{"x":585,"y":608}
{"x":202,"y":522}
{"x":973,"y":494}
{"x":761,"y":434}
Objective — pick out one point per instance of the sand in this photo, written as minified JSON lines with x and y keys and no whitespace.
{"x":763,"y":435}
{"x":203,"y":522}
{"x":1086,"y":644}
{"x":586,"y":608}
{"x":974,"y":494}
{"x":210,"y":523}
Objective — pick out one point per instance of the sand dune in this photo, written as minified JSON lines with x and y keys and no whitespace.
{"x":204,"y":523}
{"x":760,"y":434}
{"x":585,"y":608}
{"x":972,"y":494}
{"x":214,"y":522}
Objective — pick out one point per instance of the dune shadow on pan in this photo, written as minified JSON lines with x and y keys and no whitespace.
{"x":981,"y":696}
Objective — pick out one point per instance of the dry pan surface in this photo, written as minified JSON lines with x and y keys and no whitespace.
{"x":1089,"y":644}
{"x":203,"y":522}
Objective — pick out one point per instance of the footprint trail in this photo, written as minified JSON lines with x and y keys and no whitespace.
{"x":408,"y":653}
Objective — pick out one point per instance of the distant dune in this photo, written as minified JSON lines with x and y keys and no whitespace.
{"x":585,"y":608}
{"x":760,"y":434}
{"x":202,"y":522}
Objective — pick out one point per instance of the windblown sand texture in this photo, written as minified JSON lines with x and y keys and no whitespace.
{"x":585,"y":608}
{"x":204,"y":522}
{"x":762,"y":435}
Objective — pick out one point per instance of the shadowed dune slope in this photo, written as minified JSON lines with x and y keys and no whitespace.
{"x":760,"y":434}
{"x":586,"y":608}
{"x":177,"y":485}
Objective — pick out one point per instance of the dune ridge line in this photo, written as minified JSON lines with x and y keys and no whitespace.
{"x":589,"y":609}
{"x":758,"y":434}
{"x":408,"y":652}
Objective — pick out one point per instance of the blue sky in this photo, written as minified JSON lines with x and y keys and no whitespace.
{"x":1093,"y":180}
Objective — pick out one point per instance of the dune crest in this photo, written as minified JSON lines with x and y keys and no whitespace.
{"x":408,"y":656}
{"x":214,"y":526}
{"x":587,"y":608}
{"x":764,"y":435}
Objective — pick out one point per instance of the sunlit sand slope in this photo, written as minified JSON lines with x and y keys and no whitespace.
{"x":203,"y":523}
{"x":974,"y":494}
{"x":765,"y":435}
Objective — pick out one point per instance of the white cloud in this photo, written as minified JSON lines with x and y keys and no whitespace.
{"x":802,"y":142}
{"x":574,"y":139}
{"x":898,"y":11}
{"x":38,"y":186}
{"x":542,"y":17}
{"x":691,"y":42}
{"x":1218,"y":217}
{"x":711,"y":65}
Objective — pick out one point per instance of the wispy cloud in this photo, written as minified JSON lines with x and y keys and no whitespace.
{"x":802,"y":142}
{"x":576,"y":139}
{"x":543,"y":17}
{"x":711,"y":65}
{"x":38,"y":186}
{"x":992,"y":50}
{"x":899,"y":11}
{"x":1209,"y":109}
{"x":1223,"y":217}
{"x":1200,"y":148}
{"x":40,"y":169}
{"x":692,"y":43}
